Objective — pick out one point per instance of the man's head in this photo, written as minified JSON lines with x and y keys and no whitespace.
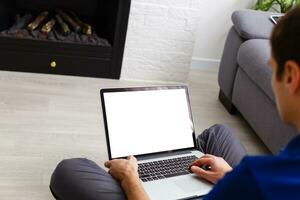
{"x":285,"y":64}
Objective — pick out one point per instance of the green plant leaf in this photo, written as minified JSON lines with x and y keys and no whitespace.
{"x":264,"y":5}
{"x":285,"y":5}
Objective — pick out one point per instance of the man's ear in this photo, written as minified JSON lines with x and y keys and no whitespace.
{"x":292,"y":76}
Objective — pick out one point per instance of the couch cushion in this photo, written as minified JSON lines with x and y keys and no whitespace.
{"x":253,"y":59}
{"x":252,"y":24}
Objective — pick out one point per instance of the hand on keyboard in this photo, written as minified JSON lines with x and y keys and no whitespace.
{"x":211,"y":168}
{"x":123,"y":169}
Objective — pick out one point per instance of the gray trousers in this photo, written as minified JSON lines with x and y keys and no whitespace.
{"x":82,"y":179}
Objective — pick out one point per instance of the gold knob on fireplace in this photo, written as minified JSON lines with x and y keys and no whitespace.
{"x":53,"y":64}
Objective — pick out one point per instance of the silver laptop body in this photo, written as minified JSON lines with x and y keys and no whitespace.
{"x":154,"y":124}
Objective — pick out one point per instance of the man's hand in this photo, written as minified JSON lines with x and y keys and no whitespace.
{"x":216,"y":168}
{"x":126,"y":172}
{"x":123,"y":170}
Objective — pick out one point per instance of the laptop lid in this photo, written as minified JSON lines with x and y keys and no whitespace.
{"x":147,"y":120}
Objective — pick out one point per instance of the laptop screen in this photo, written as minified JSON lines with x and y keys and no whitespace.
{"x":147,"y":120}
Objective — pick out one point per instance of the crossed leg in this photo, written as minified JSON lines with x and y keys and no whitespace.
{"x":82,"y":179}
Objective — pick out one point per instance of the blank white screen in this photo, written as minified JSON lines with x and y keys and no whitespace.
{"x":141,"y":122}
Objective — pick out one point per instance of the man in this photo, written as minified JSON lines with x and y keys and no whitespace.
{"x":257,"y":177}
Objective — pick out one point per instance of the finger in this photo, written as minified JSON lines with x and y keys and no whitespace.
{"x":107,"y":164}
{"x":207,"y":156}
{"x":130,"y":157}
{"x":201,"y":172}
{"x":202,"y":161}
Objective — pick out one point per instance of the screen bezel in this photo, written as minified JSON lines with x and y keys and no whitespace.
{"x":110,"y":90}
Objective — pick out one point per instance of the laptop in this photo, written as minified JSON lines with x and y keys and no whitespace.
{"x":275,"y":18}
{"x":155,"y":125}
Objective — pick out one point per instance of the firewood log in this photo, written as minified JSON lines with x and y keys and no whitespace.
{"x":86,"y":28}
{"x":64,"y":27}
{"x":76,"y":27}
{"x":38,"y":20}
{"x":47,"y":28}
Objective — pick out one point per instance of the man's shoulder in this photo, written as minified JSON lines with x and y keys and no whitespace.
{"x":260,"y":160}
{"x":268,"y":173}
{"x":272,"y":170}
{"x":276,"y":161}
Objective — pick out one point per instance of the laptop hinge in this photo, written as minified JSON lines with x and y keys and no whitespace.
{"x":164,"y":154}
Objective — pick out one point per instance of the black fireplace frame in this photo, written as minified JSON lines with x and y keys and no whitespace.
{"x":70,"y":59}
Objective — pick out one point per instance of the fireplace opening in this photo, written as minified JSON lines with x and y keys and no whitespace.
{"x":82,"y":37}
{"x":56,"y":25}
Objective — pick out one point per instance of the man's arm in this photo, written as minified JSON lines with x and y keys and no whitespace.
{"x":237,"y":184}
{"x":126,"y":172}
{"x":134,"y":189}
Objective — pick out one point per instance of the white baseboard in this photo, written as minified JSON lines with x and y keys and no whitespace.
{"x":205,"y":64}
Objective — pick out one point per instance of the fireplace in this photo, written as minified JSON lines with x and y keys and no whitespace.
{"x":69,"y":37}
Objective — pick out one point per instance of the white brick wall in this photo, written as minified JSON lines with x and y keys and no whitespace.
{"x":160,"y":39}
{"x":216,"y":19}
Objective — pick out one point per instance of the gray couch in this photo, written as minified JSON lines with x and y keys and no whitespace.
{"x":245,"y":78}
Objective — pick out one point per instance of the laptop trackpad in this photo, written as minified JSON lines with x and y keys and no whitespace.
{"x":177,"y":187}
{"x":187,"y":186}
{"x":192,"y":185}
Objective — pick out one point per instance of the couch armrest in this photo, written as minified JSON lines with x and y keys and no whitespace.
{"x":252,"y":24}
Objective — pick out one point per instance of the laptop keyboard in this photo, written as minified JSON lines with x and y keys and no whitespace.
{"x":165,"y":168}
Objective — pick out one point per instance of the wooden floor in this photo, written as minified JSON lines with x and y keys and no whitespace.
{"x":46,"y":118}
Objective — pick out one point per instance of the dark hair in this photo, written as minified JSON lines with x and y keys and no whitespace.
{"x":285,"y":39}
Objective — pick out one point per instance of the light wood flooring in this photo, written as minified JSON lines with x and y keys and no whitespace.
{"x":46,"y":118}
